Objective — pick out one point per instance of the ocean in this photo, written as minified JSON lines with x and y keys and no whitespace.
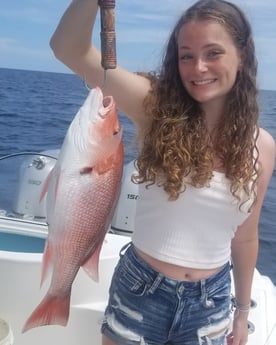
{"x":36,"y":109}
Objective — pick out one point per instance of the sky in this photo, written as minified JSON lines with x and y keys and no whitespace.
{"x":142,"y":29}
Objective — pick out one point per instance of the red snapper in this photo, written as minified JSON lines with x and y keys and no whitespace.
{"x":82,"y":191}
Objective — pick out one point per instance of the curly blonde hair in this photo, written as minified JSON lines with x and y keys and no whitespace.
{"x":178,"y":143}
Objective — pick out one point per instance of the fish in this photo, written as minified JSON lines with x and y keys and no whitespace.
{"x":82,"y":192}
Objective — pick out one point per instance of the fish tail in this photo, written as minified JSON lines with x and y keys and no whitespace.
{"x":51,"y":311}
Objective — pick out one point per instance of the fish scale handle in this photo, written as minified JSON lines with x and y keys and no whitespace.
{"x":108,"y":35}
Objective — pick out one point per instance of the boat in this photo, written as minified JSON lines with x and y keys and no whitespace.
{"x":23,"y":231}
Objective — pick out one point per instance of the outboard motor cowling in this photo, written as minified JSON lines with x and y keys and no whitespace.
{"x":124,"y":216}
{"x":32,"y":176}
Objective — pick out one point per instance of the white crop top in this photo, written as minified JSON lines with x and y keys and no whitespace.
{"x":193,"y":231}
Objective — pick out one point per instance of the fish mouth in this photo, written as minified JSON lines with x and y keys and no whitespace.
{"x":107,"y":100}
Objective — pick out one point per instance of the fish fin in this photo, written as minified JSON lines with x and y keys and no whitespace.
{"x":91,"y":266}
{"x":46,"y":262}
{"x":57,"y":185}
{"x":46,"y":186}
{"x":51,"y":311}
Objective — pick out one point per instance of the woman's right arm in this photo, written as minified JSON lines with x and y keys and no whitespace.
{"x":71,"y":44}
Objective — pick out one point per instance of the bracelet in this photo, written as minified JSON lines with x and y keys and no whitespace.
{"x":242,"y":307}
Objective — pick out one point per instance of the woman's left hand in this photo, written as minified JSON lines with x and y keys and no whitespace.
{"x":239,"y":334}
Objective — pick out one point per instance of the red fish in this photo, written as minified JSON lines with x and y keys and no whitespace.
{"x":82,"y":188}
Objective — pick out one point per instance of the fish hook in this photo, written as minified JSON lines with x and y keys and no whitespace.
{"x":103,"y":84}
{"x":104,"y":79}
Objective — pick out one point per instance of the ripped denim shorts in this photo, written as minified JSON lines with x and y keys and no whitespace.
{"x":148,"y":308}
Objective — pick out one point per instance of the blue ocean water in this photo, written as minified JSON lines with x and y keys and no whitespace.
{"x":36,"y":109}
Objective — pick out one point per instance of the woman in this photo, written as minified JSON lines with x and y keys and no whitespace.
{"x":203,"y":169}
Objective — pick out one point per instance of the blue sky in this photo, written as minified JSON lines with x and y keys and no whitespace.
{"x":142,"y":28}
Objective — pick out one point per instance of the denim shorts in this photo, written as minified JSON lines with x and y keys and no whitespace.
{"x":145,"y":307}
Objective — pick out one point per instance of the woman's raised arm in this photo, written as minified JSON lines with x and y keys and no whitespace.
{"x":71,"y":44}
